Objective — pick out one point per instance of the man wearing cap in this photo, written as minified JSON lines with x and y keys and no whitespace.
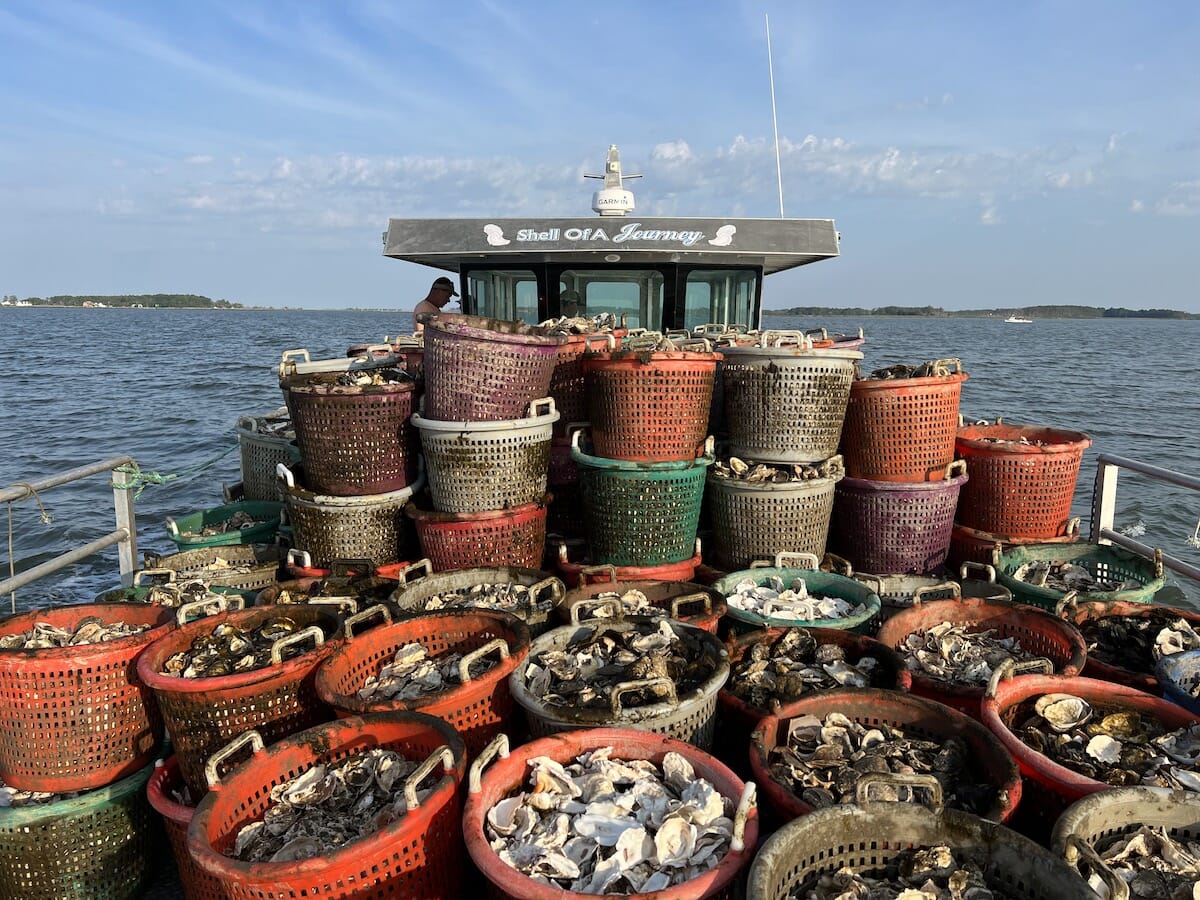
{"x":439,"y":295}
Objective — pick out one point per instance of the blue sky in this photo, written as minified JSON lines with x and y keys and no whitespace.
{"x":973,"y":154}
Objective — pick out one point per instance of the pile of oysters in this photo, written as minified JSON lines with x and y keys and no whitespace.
{"x":612,"y":826}
{"x":1136,"y":643}
{"x":822,"y":761}
{"x":15,"y":798}
{"x":413,"y":674}
{"x":236,"y":522}
{"x":1064,"y":576}
{"x":1117,"y":746}
{"x":1153,"y":864}
{"x":630,"y":603}
{"x":229,"y":648}
{"x":772,"y":673}
{"x":503,"y":596}
{"x":930,"y":873}
{"x":774,"y":600}
{"x":957,"y":654}
{"x":89,"y":630}
{"x":776,"y":473}
{"x":326,"y":807}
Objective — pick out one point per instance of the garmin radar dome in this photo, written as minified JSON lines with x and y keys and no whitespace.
{"x":613,"y":199}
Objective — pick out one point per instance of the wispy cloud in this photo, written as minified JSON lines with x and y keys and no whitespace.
{"x":1183,"y":200}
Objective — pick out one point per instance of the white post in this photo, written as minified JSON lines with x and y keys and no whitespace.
{"x":1104,"y":501}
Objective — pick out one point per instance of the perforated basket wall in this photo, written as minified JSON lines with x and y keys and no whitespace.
{"x":1102,"y":561}
{"x":411,"y":597}
{"x":176,"y":817}
{"x":356,"y":527}
{"x":1178,"y":675}
{"x":485,"y":372}
{"x":786,"y":405}
{"x":1022,"y":490}
{"x":649,"y":407}
{"x":260,"y":454}
{"x":77,"y":718}
{"x":755,"y":521}
{"x":894,"y":527}
{"x":1100,"y":817}
{"x":103,"y":844}
{"x":902,"y":429}
{"x":641,"y":514}
{"x":512,"y":537}
{"x":972,"y":545}
{"x":567,"y":383}
{"x":263,"y":560}
{"x":204,"y":714}
{"x":420,"y":854}
{"x":354,"y":440}
{"x":476,"y":468}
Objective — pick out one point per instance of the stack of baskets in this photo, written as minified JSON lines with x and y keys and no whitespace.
{"x":642,"y":480}
{"x":785,"y":402}
{"x":1022,"y":483}
{"x":359,"y":456}
{"x":894,"y":511}
{"x":485,"y":431}
{"x":265,"y":442}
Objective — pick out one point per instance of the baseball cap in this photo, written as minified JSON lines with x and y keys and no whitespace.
{"x":444,"y":284}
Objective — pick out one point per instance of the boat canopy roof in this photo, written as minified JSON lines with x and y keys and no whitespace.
{"x":773,"y":245}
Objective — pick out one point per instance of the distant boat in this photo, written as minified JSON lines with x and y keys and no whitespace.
{"x":1018,"y":320}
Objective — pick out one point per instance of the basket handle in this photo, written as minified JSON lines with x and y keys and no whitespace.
{"x":543,"y":407}
{"x":716,"y":328}
{"x":870,"y":581}
{"x":799,"y":560}
{"x":300,"y":559}
{"x":626,"y":686}
{"x":498,"y":746}
{"x":777,"y":339}
{"x":701,"y":345}
{"x":1011,"y":667}
{"x":700,"y":597}
{"x":1077,"y":850}
{"x":350,"y":567}
{"x":406,"y":571}
{"x":246,"y":423}
{"x":287,"y":365}
{"x":947,"y":363}
{"x":1072,"y":526}
{"x":277,"y":648}
{"x":921,"y":593}
{"x":551,"y":586}
{"x":443,"y":754}
{"x":839,"y":565}
{"x":746,"y":804}
{"x":648,"y":340}
{"x":603,"y":569}
{"x":562,"y":553}
{"x":997,"y":552}
{"x":937,"y":800}
{"x":137,"y":576}
{"x":172,"y":528}
{"x":220,"y":600}
{"x":251,"y":737}
{"x":821,"y":331}
{"x":1067,"y":604}
{"x":610,"y":342}
{"x":464,"y":664}
{"x":679,"y":334}
{"x":1158,"y":563}
{"x":959,"y":464}
{"x":349,"y":604}
{"x":284,"y":474}
{"x":369,"y":613}
{"x":988,"y":572}
{"x":575,"y":610}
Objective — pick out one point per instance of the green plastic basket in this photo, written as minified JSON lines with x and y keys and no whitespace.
{"x":1101,"y":560}
{"x":184,"y":530}
{"x":818,"y":582}
{"x":639,"y":513}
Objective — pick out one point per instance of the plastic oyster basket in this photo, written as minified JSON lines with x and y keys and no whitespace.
{"x":260,"y":454}
{"x":203,"y":714}
{"x":474,"y":466}
{"x":477,"y":708}
{"x":751,"y":521}
{"x":1022,"y":478}
{"x":785,"y":401}
{"x":900,"y":591}
{"x":262,"y":559}
{"x":894,"y":526}
{"x":419,"y":854}
{"x":903,"y":429}
{"x":485,"y":370}
{"x":790,"y":566}
{"x":684,"y":601}
{"x":1101,"y":561}
{"x":567,"y":384}
{"x":583,"y":572}
{"x":1178,"y":675}
{"x":503,"y":537}
{"x":185,"y":531}
{"x":506,"y":777}
{"x":176,"y":817}
{"x":972,"y":545}
{"x":103,"y":844}
{"x":1040,"y":634}
{"x":648,"y":405}
{"x":867,"y":837}
{"x":359,"y":526}
{"x":690,"y":718}
{"x":916,"y":717}
{"x":77,"y":718}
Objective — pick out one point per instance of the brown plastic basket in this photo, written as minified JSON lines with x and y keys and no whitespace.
{"x":970,"y":545}
{"x":692,"y":604}
{"x":505,"y":537}
{"x":903,"y":429}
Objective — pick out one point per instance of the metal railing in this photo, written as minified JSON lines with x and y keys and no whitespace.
{"x":124,"y":536}
{"x":1104,"y":506}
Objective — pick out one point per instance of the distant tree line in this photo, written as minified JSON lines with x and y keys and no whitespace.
{"x":166,"y":301}
{"x":1043,"y":312}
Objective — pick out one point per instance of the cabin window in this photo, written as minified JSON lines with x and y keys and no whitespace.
{"x":509,"y":294}
{"x":635,"y":293}
{"x":725,"y":296}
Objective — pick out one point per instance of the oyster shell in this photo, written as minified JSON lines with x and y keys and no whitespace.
{"x":1063,"y":712}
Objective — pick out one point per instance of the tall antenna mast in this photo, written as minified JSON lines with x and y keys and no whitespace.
{"x":774,"y":119}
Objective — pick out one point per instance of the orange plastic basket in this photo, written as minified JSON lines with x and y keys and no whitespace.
{"x":78,"y":718}
{"x":204,"y":714}
{"x":505,"y":537}
{"x":1022,"y":490}
{"x":567,"y":382}
{"x":477,"y":708}
{"x":577,"y":573}
{"x":197,"y":884}
{"x":418,"y":855}
{"x":902,"y":429}
{"x":649,"y":406}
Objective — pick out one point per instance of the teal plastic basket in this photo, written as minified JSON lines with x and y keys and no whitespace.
{"x":818,"y":582}
{"x":640,"y":513}
{"x":1178,"y":675}
{"x":184,"y":531}
{"x":1101,"y":560}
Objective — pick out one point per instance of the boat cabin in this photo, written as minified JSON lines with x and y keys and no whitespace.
{"x":660,"y":273}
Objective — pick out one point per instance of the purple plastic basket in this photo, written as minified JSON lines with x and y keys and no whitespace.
{"x":895,"y":527}
{"x":485,"y":370}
